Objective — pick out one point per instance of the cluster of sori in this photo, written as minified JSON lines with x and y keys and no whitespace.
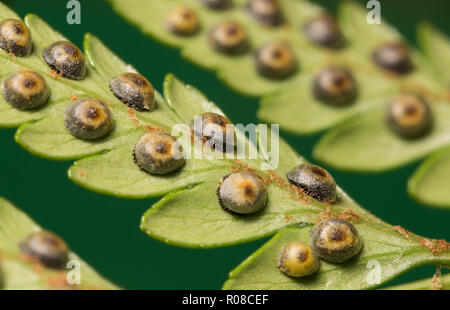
{"x":90,"y":118}
{"x":333,"y":239}
{"x":408,"y":115}
{"x":274,"y":60}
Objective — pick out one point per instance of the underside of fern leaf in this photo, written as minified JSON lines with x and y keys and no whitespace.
{"x":17,"y":272}
{"x":385,"y":251}
{"x":358,"y":138}
{"x":189,"y":214}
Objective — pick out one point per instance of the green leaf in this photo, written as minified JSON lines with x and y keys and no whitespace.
{"x":385,"y":250}
{"x":424,"y":284}
{"x":18,"y":273}
{"x":365,"y":143}
{"x":430,"y":183}
{"x":436,"y":47}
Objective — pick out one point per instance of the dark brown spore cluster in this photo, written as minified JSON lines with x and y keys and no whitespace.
{"x":25,"y":90}
{"x":267,"y":12}
{"x":335,"y":86}
{"x":47,"y":248}
{"x":393,"y":57}
{"x":15,"y":37}
{"x":324,"y":31}
{"x":134,"y":90}
{"x":66,"y":59}
{"x":276,"y":60}
{"x":314,"y":181}
{"x":242,"y":193}
{"x":157,"y":153}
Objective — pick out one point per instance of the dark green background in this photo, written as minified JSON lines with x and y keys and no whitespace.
{"x":105,"y":230}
